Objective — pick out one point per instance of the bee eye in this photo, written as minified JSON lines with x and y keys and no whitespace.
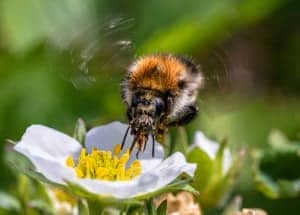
{"x":136,"y":100}
{"x":159,"y":106}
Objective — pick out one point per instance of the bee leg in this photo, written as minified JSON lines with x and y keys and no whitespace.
{"x":124,"y":138}
{"x":161,"y":132}
{"x":137,"y":154}
{"x":187,"y":114}
{"x":132,"y":145}
{"x":153,"y":145}
{"x":144,"y":143}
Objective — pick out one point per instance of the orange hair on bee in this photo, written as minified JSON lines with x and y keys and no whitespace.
{"x":156,"y":72}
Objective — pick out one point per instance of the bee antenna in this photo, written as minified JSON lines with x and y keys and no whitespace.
{"x":124,"y":138}
{"x":153,"y":144}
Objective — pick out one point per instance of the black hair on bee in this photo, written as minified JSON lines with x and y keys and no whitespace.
{"x":159,"y":90}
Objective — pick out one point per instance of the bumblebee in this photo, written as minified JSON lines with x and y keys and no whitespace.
{"x":159,"y":91}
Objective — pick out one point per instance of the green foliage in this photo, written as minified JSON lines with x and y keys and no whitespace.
{"x":26,"y":24}
{"x":9,"y":202}
{"x":162,"y":208}
{"x":211,"y":181}
{"x":204,"y":169}
{"x":277,"y":167}
{"x":205,"y":23}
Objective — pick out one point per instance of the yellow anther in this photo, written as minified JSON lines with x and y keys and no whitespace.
{"x":124,"y":158}
{"x":117,"y":149}
{"x":70,"y":161}
{"x":103,"y":165}
{"x":79,"y":172}
{"x":82,"y":153}
{"x":134,"y":169}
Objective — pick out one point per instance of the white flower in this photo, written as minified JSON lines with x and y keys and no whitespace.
{"x":48,"y":149}
{"x":211,"y":148}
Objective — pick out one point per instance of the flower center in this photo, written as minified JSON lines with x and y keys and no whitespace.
{"x":105,"y":165}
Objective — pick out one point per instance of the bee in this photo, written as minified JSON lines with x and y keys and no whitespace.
{"x":160,"y":91}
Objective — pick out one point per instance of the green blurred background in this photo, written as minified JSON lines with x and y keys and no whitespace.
{"x":64,"y":59}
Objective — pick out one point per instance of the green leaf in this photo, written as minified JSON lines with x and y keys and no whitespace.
{"x":103,"y":200}
{"x":182,"y":183}
{"x":26,"y":24}
{"x":266,"y":185}
{"x":162,"y":208}
{"x":80,"y":131}
{"x":290,"y":189}
{"x":149,"y":207}
{"x":182,"y":140}
{"x":218,"y":162}
{"x":233,"y":207}
{"x":178,"y":140}
{"x":41,"y":205}
{"x":277,"y":189}
{"x":133,"y":209}
{"x":190,"y":189}
{"x":219,"y":188}
{"x":209,"y":179}
{"x":206,"y":25}
{"x":95,"y":207}
{"x":9,"y":141}
{"x":83,"y":207}
{"x":277,"y":138}
{"x":277,"y":168}
{"x":204,"y":167}
{"x":9,"y":202}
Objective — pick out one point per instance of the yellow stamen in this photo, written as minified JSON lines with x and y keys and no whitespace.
{"x":104,"y":165}
{"x":117,"y":149}
{"x":70,"y":162}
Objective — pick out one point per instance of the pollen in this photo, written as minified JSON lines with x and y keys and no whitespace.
{"x":105,"y":165}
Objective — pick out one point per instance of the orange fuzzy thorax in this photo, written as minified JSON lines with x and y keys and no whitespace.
{"x":157,"y":73}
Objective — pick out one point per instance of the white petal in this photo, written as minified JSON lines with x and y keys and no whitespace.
{"x":147,"y":164}
{"x":211,"y":148}
{"x":150,"y":181}
{"x":53,"y":170}
{"x":107,"y":136}
{"x":207,"y":145}
{"x":47,"y":143}
{"x":165,"y":173}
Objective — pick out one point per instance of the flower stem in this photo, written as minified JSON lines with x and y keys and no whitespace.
{"x":149,"y":209}
{"x":178,"y":140}
{"x":183,"y":139}
{"x":95,"y":208}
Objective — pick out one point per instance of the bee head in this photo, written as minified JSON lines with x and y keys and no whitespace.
{"x":146,"y":110}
